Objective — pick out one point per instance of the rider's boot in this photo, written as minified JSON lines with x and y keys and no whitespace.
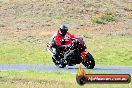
{"x":57,"y":59}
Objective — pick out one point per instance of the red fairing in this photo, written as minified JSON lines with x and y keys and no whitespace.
{"x":83,"y":55}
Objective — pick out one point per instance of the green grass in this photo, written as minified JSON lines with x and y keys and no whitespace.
{"x":112,"y":50}
{"x":103,"y":19}
{"x":34,"y":79}
{"x":23,"y":53}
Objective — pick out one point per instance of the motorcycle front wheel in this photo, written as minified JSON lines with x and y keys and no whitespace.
{"x":89,"y":63}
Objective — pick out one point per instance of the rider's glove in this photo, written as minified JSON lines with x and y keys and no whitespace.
{"x":75,"y":44}
{"x":53,"y":44}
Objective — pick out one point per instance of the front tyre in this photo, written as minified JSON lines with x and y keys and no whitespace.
{"x":89,"y":63}
{"x":58,"y":65}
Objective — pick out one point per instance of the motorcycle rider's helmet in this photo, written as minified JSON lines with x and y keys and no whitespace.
{"x":63,"y":29}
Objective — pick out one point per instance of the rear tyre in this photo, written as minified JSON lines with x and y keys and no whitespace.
{"x":89,"y":63}
{"x":58,"y":65}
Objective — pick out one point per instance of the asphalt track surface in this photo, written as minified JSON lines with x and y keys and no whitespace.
{"x":72,"y":69}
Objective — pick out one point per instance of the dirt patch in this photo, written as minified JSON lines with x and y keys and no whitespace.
{"x":22,"y":83}
{"x":41,"y":18}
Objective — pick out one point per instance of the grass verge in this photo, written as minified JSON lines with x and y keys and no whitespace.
{"x":111,"y":50}
{"x":34,"y":79}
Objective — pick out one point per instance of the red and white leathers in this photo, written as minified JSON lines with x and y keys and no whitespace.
{"x":61,"y":40}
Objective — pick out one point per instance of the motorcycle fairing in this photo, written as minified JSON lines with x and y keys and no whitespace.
{"x":83,"y":55}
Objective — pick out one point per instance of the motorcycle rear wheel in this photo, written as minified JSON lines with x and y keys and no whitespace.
{"x":89,"y":63}
{"x":58,"y":65}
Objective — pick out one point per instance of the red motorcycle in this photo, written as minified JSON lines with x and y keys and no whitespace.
{"x":74,"y":54}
